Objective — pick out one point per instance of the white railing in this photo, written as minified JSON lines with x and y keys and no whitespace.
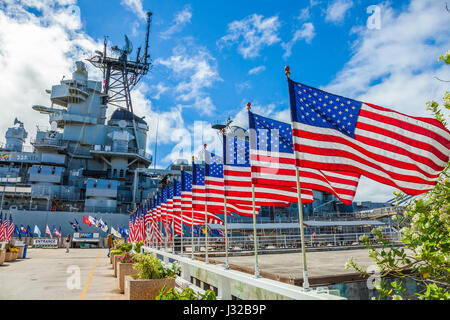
{"x":268,"y":243}
{"x":231,"y":284}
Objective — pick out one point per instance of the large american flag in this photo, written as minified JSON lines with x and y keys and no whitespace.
{"x":337,"y":133}
{"x":273,"y":162}
{"x":238,"y":179}
{"x":215,"y":188}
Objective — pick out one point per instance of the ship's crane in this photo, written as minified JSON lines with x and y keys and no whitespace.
{"x":121,"y":75}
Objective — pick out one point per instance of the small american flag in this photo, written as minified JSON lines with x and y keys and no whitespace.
{"x":337,"y":133}
{"x":199,"y":196}
{"x":273,"y":162}
{"x":2,"y":226}
{"x":9,"y":229}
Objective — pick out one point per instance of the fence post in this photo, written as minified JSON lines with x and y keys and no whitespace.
{"x":334,"y":236}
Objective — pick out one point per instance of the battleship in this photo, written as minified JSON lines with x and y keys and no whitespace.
{"x":87,"y":163}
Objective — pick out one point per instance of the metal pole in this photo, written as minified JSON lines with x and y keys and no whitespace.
{"x":300,"y":211}
{"x":192,"y":233}
{"x":227,"y":265}
{"x":182,"y":232}
{"x":206,"y":229}
{"x":302,"y":231}
{"x":255,"y":234}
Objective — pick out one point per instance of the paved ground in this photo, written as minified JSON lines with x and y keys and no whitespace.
{"x":51,"y":274}
{"x":322,"y":263}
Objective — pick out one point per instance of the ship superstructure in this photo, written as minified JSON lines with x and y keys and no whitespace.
{"x":84,"y":161}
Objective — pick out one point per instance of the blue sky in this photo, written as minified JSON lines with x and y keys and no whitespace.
{"x":211,"y":57}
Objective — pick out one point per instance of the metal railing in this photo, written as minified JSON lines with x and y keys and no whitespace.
{"x":231,"y":284}
{"x":273,"y":243}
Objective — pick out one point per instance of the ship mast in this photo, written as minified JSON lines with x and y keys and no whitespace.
{"x":121,"y":75}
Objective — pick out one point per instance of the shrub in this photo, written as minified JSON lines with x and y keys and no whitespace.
{"x":11,"y":248}
{"x":127,"y":258}
{"x":150,"y":267}
{"x":117,"y":252}
{"x":186,"y":294}
{"x":137,"y":246}
{"x":125,"y":247}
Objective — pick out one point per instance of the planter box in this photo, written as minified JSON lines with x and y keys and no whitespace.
{"x":10,"y":256}
{"x":145,"y":289}
{"x":124,"y":269}
{"x":2,"y":256}
{"x":115,"y":262}
{"x":20,"y":254}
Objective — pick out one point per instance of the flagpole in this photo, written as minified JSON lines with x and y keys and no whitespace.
{"x":227,"y":265}
{"x":206,"y":219}
{"x":257,"y":275}
{"x":181,"y":216}
{"x":192,"y":222}
{"x":300,"y":211}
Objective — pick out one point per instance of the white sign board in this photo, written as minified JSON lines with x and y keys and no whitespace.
{"x":19,"y":243}
{"x":45,"y":243}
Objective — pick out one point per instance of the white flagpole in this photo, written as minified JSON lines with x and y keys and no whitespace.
{"x":206,"y":218}
{"x":227,"y":265}
{"x":255,"y":240}
{"x":192,"y":222}
{"x":300,"y":211}
{"x":181,"y":216}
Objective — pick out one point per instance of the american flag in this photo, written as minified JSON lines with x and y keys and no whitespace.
{"x":148,"y":213}
{"x":337,"y":133}
{"x":3,"y":226}
{"x":215,"y":188}
{"x":176,"y":198}
{"x":131,"y":227}
{"x":199,"y":199}
{"x":170,"y":202}
{"x":8,"y":228}
{"x":158,"y":206}
{"x":164,"y":204}
{"x":238,"y":181}
{"x":273,"y":162}
{"x":186,"y":193}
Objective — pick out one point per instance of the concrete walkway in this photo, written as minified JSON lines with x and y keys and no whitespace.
{"x":52,"y":274}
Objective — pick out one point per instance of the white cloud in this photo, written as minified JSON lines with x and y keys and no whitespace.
{"x":160,"y":88}
{"x":304,"y":14}
{"x":306,"y":32}
{"x":136,"y":7}
{"x":395,"y":67}
{"x":256,"y":33}
{"x":257,"y":70}
{"x":35,"y":52}
{"x":337,"y":9}
{"x":181,"y":19}
{"x":195,"y":69}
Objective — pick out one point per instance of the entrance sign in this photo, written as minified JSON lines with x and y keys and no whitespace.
{"x":45,"y":243}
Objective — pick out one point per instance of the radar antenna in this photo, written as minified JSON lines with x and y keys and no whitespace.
{"x":121,"y":75}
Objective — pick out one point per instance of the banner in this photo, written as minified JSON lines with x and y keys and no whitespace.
{"x":45,"y":243}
